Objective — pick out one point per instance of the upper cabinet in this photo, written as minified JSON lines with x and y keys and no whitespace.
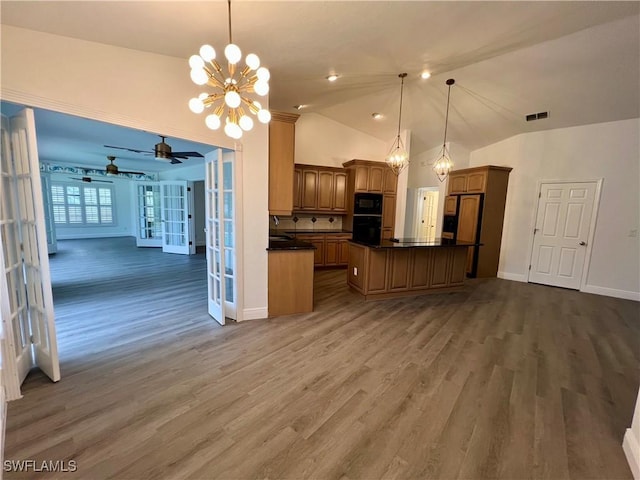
{"x":282,"y":133}
{"x":469,"y":180}
{"x":319,"y":189}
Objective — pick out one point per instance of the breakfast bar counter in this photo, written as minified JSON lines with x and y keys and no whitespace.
{"x":402,"y":267}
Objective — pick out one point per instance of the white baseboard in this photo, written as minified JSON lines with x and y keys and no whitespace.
{"x":516,"y":277}
{"x":631,"y":447}
{"x":255,"y":313}
{"x":612,"y":292}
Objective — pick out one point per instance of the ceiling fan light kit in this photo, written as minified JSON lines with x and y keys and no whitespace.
{"x":398,"y":158}
{"x":233,"y":88}
{"x":443,"y":165}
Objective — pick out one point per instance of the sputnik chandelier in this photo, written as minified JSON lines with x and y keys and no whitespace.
{"x":443,"y":165}
{"x":232,"y":88}
{"x":398,"y":158}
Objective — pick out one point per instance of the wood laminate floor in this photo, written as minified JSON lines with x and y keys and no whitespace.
{"x":503,"y":380}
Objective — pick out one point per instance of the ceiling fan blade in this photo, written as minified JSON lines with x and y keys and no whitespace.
{"x":187,"y":154}
{"x":90,"y":180}
{"x":175,"y":161}
{"x":132,"y":173}
{"x":129,"y":149}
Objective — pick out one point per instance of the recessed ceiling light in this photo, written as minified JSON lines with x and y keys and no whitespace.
{"x":376,"y":116}
{"x":424,"y":75}
{"x":332,"y":78}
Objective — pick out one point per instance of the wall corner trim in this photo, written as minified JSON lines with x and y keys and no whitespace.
{"x":255,"y":313}
{"x":631,"y":447}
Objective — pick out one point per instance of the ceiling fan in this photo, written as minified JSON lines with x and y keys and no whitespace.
{"x":162,"y":151}
{"x":89,"y":180}
{"x":112,"y":168}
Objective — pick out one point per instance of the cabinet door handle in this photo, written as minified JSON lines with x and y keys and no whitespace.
{"x":583,"y":243}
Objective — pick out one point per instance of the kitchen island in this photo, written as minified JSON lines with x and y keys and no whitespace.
{"x":402,"y":267}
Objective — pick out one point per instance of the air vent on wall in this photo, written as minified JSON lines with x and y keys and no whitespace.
{"x":537,"y":116}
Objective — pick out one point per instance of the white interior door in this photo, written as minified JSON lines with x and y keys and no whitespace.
{"x":52,"y":241}
{"x":149,"y":214}
{"x":221,"y":235}
{"x":176,"y":206}
{"x":31,"y":316}
{"x":561,"y":233}
{"x":429,"y":215}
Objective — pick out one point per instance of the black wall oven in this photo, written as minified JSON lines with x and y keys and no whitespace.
{"x":367,"y":229}
{"x":367,"y":204}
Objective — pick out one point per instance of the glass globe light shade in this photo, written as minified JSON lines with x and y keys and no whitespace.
{"x":264,"y":116}
{"x":207,"y":52}
{"x":212,"y":121}
{"x":263,"y":74}
{"x":253,"y":62}
{"x":261,"y":88}
{"x":232,"y":99}
{"x":233,"y":130}
{"x":203,"y":96}
{"x":246,"y":123}
{"x":233,"y":53}
{"x":196,"y":105}
{"x":195,"y":61}
{"x":199,"y":76}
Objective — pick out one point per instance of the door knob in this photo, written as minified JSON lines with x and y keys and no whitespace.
{"x":583,"y":243}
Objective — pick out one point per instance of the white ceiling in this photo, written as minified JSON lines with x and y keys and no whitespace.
{"x":578,"y":60}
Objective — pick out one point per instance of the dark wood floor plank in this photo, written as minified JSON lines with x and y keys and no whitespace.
{"x":501,"y":380}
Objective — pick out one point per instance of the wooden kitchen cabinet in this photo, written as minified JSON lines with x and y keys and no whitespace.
{"x":376,"y":178}
{"x":480,"y":193}
{"x":471,"y":180}
{"x":281,"y":152}
{"x":332,"y":249}
{"x":450,"y":205}
{"x":390,"y":182}
{"x":388,"y":216}
{"x":320,"y":189}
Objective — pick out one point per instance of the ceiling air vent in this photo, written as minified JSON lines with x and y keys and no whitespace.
{"x":537,"y":116}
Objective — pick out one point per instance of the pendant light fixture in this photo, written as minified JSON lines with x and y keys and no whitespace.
{"x":398,"y":158}
{"x":232,"y":88}
{"x":443,"y":165}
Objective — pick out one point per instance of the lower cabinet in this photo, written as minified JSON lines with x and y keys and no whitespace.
{"x":332,"y":249}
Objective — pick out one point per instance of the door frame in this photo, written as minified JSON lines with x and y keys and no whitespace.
{"x":592,"y":225}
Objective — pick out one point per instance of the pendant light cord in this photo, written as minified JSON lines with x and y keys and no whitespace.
{"x":229,"y":5}
{"x":446,"y":118}
{"x":402,"y":75}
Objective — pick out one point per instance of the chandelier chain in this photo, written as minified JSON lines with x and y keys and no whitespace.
{"x":229,"y":10}
{"x":402,"y":75}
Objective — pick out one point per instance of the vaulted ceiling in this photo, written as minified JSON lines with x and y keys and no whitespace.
{"x":579,"y":61}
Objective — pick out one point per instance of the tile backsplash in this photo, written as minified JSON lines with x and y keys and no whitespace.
{"x":305,"y":222}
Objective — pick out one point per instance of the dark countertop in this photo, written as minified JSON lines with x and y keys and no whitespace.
{"x":307,"y":232}
{"x":279,"y":241}
{"x":418,"y":243}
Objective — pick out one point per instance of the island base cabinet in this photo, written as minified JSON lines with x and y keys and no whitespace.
{"x":290,"y":282}
{"x":389,"y":272}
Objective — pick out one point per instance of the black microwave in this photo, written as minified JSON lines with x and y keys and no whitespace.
{"x":367,"y":204}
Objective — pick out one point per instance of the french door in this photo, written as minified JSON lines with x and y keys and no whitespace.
{"x":25,"y":290}
{"x":52,"y":242}
{"x":149,"y":214}
{"x":221,"y":235}
{"x":561,"y":233}
{"x":177,"y":222}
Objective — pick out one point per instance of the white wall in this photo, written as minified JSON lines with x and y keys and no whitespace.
{"x":607,"y":150}
{"x":421,"y":174}
{"x":144,"y":91}
{"x":631,"y":442}
{"x":322,"y":141}
{"x":191,"y":172}
{"x":124,"y":211}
